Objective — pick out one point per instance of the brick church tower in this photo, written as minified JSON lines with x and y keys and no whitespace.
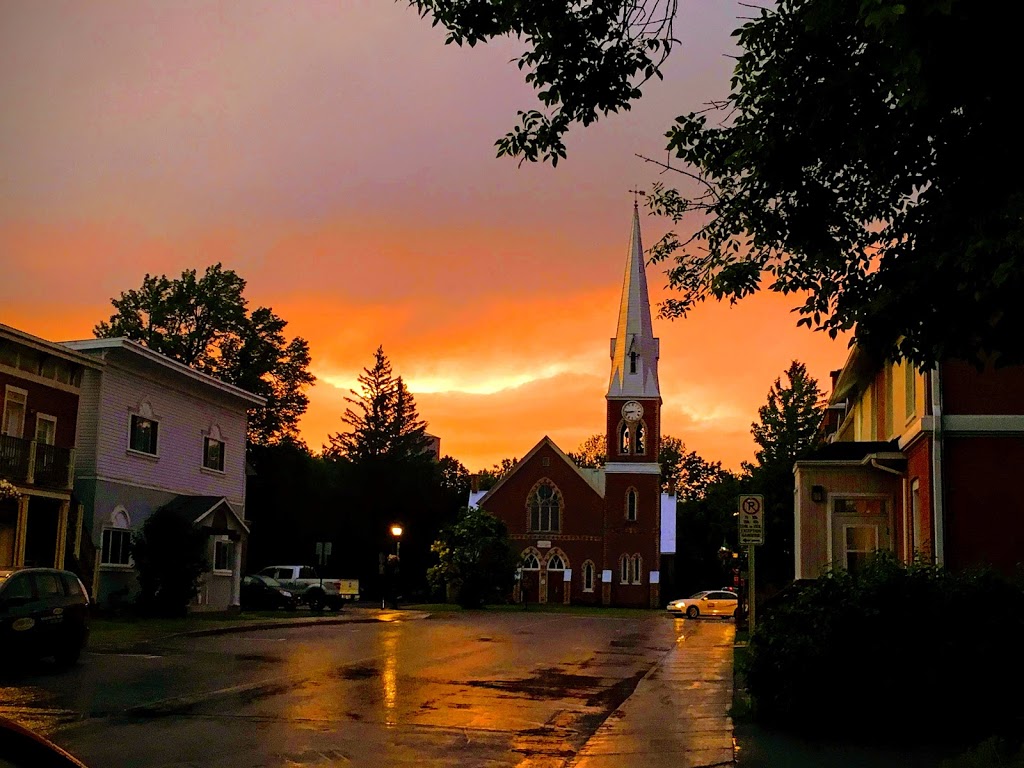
{"x":632,"y":473}
{"x":588,"y":535}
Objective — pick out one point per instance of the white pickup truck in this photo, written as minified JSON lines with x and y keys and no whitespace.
{"x":305,"y":583}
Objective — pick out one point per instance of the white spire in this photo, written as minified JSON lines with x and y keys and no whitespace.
{"x":634,"y":350}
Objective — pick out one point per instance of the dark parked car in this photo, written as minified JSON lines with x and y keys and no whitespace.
{"x":263,"y":592}
{"x":43,"y":612}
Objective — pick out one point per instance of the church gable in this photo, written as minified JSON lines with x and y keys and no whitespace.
{"x":546,"y":493}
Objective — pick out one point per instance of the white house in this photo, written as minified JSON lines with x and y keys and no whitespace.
{"x":155,"y":433}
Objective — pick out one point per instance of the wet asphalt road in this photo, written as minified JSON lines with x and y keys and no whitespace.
{"x":487,"y":689}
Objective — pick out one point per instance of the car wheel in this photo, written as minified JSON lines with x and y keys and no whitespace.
{"x":290,"y":605}
{"x":693,"y":612}
{"x":316,"y":602}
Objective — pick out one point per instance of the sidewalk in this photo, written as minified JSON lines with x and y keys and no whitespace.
{"x":677,"y":716}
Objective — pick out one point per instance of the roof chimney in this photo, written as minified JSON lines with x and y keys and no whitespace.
{"x":474,"y":483}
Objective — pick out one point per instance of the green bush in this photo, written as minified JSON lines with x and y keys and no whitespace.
{"x":170,"y":559}
{"x":891,"y":651}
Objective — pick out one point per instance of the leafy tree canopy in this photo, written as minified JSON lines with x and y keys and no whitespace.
{"x":685,"y":471}
{"x":859,"y":160}
{"x":204,"y":322}
{"x":583,"y":59}
{"x":383,"y":422}
{"x":475,"y":558}
{"x":488,"y":478}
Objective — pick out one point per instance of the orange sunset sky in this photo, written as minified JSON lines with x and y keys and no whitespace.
{"x":340,"y":158}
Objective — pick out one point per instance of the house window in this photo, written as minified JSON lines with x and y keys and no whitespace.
{"x":631,"y":505}
{"x":213,"y":454}
{"x":223,"y":552}
{"x":922,"y":537}
{"x":910,"y":388}
{"x":861,"y":543}
{"x":14,"y":411}
{"x":888,"y":415}
{"x":624,"y":569}
{"x":635,"y":566}
{"x":117,"y":546}
{"x":545,"y":507}
{"x":588,"y":576}
{"x":143,"y":434}
{"x":46,"y":429}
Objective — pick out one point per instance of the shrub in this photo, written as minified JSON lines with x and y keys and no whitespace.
{"x":170,"y":559}
{"x":891,"y":651}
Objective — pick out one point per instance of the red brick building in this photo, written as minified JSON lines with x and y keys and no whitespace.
{"x":922,"y":464}
{"x":595,"y":535}
{"x":40,"y":385}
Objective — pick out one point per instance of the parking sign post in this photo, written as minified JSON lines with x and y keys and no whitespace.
{"x":751,"y":525}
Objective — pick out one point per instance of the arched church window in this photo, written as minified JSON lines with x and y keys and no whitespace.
{"x":624,"y":569}
{"x":530,"y":562}
{"x":631,"y":504}
{"x":555,"y":563}
{"x":545,"y":507}
{"x":625,"y":439}
{"x":641,"y":438}
{"x":588,"y":576}
{"x":635,"y":567}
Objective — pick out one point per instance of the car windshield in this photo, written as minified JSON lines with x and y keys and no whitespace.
{"x":698,"y":595}
{"x":269,"y":581}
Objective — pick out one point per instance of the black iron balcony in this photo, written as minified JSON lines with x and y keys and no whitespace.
{"x":32,"y":463}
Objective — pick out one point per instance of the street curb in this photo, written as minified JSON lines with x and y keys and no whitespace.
{"x":259,"y":626}
{"x":310,"y":622}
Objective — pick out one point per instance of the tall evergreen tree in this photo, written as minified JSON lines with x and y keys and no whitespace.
{"x":383,"y":420}
{"x":789,"y":421}
{"x":205,"y":323}
{"x":786,"y":432}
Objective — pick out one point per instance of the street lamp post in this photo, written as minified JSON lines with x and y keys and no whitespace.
{"x":396,"y":531}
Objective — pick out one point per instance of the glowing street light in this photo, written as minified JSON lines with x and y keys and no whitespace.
{"x":396,"y":531}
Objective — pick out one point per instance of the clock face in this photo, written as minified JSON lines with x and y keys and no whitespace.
{"x":632,"y":411}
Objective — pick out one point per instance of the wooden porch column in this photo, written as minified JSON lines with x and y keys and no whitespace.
{"x":21,"y":530}
{"x":236,"y":576}
{"x":62,"y":534}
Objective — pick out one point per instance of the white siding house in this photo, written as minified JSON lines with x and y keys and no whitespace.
{"x":155,"y":433}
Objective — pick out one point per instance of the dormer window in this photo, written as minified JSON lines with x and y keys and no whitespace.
{"x":632,"y":362}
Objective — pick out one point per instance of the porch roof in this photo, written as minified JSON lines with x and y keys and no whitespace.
{"x":196,"y":508}
{"x":852,"y":450}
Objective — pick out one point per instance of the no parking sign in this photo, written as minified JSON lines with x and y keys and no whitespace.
{"x":751,"y":519}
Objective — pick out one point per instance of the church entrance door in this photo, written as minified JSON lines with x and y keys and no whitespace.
{"x":556,"y":579}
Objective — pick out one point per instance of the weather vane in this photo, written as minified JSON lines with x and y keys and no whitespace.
{"x":637,"y":194}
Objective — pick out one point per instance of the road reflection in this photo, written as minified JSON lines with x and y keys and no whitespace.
{"x":32,"y":708}
{"x":389,"y":677}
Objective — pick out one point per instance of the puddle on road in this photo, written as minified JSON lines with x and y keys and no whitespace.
{"x":355,"y":672}
{"x":32,"y":708}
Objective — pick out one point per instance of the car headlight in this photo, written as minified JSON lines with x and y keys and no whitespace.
{"x":285,"y":594}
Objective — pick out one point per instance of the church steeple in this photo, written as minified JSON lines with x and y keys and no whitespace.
{"x":634,"y":350}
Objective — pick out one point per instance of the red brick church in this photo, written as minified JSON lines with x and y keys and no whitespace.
{"x":594,"y":536}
